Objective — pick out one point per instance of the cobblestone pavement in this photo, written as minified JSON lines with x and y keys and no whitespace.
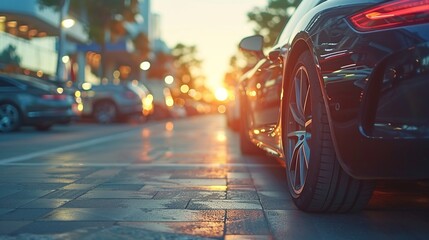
{"x":182,"y":179}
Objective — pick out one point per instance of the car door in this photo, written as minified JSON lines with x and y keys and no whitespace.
{"x":268,"y":90}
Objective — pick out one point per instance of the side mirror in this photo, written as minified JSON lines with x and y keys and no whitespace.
{"x":253,"y":44}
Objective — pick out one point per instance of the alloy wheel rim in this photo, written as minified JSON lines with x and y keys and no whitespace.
{"x":299,"y":131}
{"x":9,"y":117}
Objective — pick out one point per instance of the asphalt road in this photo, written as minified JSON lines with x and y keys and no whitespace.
{"x":179,"y":179}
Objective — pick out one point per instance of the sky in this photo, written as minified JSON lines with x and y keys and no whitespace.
{"x":214,"y":26}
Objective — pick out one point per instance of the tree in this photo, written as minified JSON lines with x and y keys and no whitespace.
{"x":103,"y":16}
{"x":9,"y":56}
{"x":100,"y":13}
{"x":160,"y":67}
{"x":188,"y":66}
{"x":270,"y":20}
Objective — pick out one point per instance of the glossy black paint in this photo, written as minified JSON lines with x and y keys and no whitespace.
{"x":374,"y":85}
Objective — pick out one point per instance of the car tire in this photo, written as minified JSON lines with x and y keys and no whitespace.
{"x":316,"y":181}
{"x":246,"y":145}
{"x":105,"y":112}
{"x":10,"y":117}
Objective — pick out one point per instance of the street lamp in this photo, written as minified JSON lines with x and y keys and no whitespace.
{"x":68,"y":23}
{"x":65,"y":4}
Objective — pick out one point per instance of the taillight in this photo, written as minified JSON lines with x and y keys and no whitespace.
{"x":54,"y":97}
{"x":392,"y":14}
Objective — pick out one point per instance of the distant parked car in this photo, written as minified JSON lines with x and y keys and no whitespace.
{"x":146,"y":96}
{"x":112,"y":102}
{"x":342,"y":98}
{"x":26,"y":100}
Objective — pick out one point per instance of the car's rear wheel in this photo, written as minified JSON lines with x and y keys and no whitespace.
{"x":316,"y":181}
{"x":105,"y":112}
{"x":10,"y":118}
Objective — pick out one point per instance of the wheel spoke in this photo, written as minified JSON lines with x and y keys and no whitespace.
{"x":297,"y":178}
{"x":306,"y":150}
{"x":300,"y":168}
{"x":307,"y":102}
{"x":299,"y":130}
{"x":9,"y":117}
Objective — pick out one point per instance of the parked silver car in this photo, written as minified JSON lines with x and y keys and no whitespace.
{"x":112,"y":102}
{"x":26,"y":100}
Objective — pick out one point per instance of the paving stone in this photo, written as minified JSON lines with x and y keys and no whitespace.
{"x":14,"y":203}
{"x":8,"y":227}
{"x":131,"y":214}
{"x":242,"y":195}
{"x":224,"y":204}
{"x":123,"y":232}
{"x":205,"y":173}
{"x":88,"y":214}
{"x":58,"y":227}
{"x":94,"y":181}
{"x":40,"y":186}
{"x":46,"y":203}
{"x":365,"y":225}
{"x":97,"y":193}
{"x":177,"y":215}
{"x":275,"y":200}
{"x":183,"y":188}
{"x":240,"y":181}
{"x":241,"y":188}
{"x":36,"y":180}
{"x":248,"y":237}
{"x":77,"y":186}
{"x":5,"y":191}
{"x":120,"y":187}
{"x":246,"y":222}
{"x":201,"y":195}
{"x":201,"y":229}
{"x":25,"y":214}
{"x":29,"y":194}
{"x":238,"y":175}
{"x":65,"y":194}
{"x":188,"y":182}
{"x":5,"y":210}
{"x":104,"y":173}
{"x":127,"y":203}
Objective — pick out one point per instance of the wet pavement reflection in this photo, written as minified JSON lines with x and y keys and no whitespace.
{"x":183,"y":179}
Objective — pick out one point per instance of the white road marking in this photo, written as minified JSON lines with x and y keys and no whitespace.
{"x":66,"y":148}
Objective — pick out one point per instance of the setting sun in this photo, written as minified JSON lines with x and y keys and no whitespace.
{"x":221,"y":94}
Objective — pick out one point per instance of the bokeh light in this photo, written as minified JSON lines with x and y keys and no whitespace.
{"x":221,"y":94}
{"x":169,"y":79}
{"x":145,"y":65}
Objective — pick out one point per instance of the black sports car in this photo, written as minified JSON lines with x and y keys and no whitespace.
{"x":343,"y":98}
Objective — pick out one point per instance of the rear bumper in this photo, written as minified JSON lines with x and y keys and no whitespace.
{"x":131,"y":109}
{"x":390,"y":137}
{"x":51,"y":116}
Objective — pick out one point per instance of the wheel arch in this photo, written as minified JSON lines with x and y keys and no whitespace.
{"x":103,"y":100}
{"x":15,"y":104}
{"x":301,"y":44}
